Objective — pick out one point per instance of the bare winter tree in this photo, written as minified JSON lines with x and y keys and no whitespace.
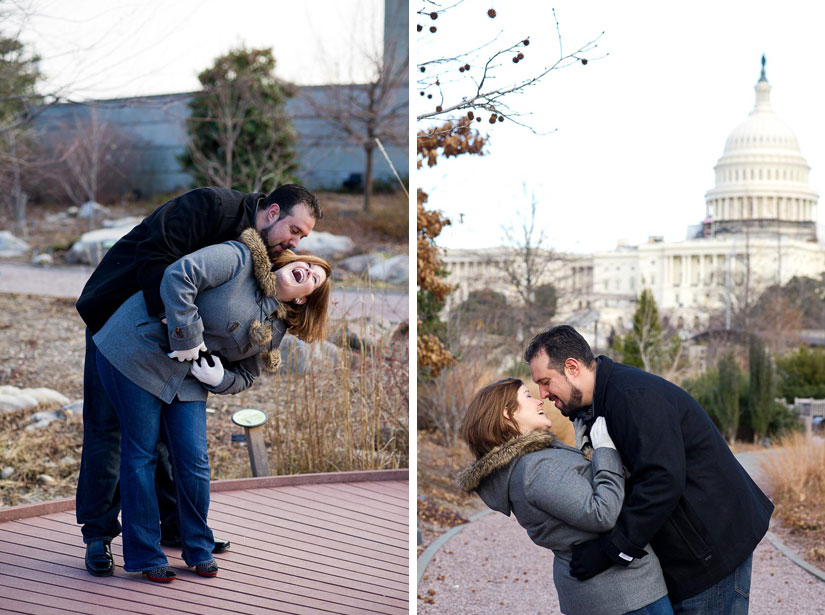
{"x":376,"y":110}
{"x":90,"y":156}
{"x":534,"y":271}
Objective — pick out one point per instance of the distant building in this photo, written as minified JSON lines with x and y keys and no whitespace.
{"x":155,"y":129}
{"x":759,"y":229}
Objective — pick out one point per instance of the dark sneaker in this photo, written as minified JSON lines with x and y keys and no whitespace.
{"x":209,"y":569}
{"x":164,"y":574}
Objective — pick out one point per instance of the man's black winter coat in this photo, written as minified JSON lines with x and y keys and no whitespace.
{"x":193,"y":220}
{"x":686,"y":494}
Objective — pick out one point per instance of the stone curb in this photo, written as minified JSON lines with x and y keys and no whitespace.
{"x":427,"y":555}
{"x":796,"y":559}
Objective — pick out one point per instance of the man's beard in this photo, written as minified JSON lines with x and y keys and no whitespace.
{"x":574,"y":404}
{"x":272,"y":249}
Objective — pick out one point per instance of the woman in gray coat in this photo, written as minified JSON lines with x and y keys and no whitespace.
{"x":233,"y":301}
{"x":559,"y":495}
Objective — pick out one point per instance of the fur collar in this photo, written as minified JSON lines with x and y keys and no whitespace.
{"x":502,"y":455}
{"x":259,"y":334}
{"x":260,"y":260}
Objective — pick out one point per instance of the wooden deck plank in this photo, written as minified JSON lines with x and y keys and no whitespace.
{"x":22,"y":601}
{"x":282,"y":553}
{"x":330,"y":512}
{"x":186,"y":594}
{"x":296,"y":552}
{"x":374,"y":512}
{"x":62,"y":565}
{"x":272,"y":520}
{"x":368,"y":498}
{"x":50,"y":541}
{"x":235,"y":560}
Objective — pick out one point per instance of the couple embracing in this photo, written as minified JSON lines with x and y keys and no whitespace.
{"x":194,"y":300}
{"x":649,"y":513}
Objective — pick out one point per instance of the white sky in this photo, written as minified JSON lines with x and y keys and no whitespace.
{"x":639,"y":131}
{"x":117,"y":48}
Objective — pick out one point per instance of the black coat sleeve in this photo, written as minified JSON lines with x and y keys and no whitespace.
{"x":646,"y":429}
{"x":183,"y":225}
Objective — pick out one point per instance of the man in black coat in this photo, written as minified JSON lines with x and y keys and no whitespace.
{"x":686,"y":494}
{"x":190,"y":221}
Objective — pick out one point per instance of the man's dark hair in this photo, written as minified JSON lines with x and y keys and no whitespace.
{"x":289,"y":195}
{"x":560,"y":343}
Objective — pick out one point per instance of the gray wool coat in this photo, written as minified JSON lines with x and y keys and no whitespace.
{"x":561,"y":499}
{"x":222,"y":295}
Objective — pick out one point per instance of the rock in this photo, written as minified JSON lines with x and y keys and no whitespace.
{"x":42,"y":419}
{"x":394,"y":270}
{"x":298,"y":357}
{"x":130,"y":221}
{"x":73,"y":409}
{"x":45,"y":479}
{"x":366,"y":331}
{"x":43,"y":259}
{"x":12,"y":398}
{"x":44,"y":395}
{"x":61,"y":216}
{"x":68,"y":460}
{"x":11,"y":245}
{"x":6,"y":472}
{"x":325,"y":245}
{"x":359,"y":263}
{"x":90,"y":208}
{"x":91,"y":246}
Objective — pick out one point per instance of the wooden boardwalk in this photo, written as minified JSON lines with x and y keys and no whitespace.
{"x":304,"y":544}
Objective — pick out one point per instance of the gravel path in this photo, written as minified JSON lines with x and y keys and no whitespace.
{"x":493,"y":567}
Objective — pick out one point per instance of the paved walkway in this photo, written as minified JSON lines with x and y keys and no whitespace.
{"x":491,"y":567}
{"x":68,"y":281}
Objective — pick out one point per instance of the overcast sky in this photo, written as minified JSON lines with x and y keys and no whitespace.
{"x":116,"y":48}
{"x":639,"y":131}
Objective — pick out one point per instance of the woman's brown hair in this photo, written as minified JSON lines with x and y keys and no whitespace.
{"x":307,"y":321}
{"x":484,"y":426}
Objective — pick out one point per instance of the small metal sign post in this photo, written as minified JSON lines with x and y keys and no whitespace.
{"x":252,"y":420}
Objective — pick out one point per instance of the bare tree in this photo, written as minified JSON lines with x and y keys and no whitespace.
{"x":91,"y":158}
{"x":535,"y":272}
{"x":377,"y":110}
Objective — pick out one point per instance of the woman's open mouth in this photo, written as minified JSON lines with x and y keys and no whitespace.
{"x":299,"y":275}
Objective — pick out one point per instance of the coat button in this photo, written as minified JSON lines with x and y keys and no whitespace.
{"x":247,"y":348}
{"x":234,"y":326}
{"x":178,"y":332}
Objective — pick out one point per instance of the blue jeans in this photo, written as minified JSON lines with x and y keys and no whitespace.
{"x":730,"y":596}
{"x":660,"y":607}
{"x":142,"y":419}
{"x":98,"y":493}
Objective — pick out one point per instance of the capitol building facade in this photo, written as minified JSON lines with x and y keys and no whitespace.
{"x":759,"y":230}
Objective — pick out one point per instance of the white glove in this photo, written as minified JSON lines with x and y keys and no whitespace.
{"x":579,"y":428}
{"x":187,"y":355}
{"x":599,"y":435}
{"x":210,"y":376}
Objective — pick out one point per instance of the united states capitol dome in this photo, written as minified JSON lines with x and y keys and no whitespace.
{"x":762,"y":177}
